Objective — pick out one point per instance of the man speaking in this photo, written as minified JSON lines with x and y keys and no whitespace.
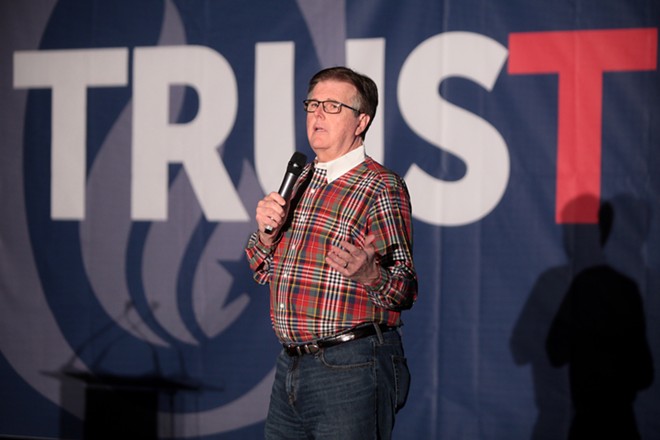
{"x":338,"y":258}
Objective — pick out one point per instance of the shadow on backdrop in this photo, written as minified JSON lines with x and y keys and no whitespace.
{"x":587,"y":317}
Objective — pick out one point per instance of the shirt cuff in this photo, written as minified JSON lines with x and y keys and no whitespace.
{"x":379,"y":284}
{"x":255,"y":243}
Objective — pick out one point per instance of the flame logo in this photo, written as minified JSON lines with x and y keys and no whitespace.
{"x":176,"y":287}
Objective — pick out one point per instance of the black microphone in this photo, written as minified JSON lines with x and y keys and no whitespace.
{"x":293,"y":171}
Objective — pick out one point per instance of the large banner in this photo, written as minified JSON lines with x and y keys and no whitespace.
{"x":137,"y":138}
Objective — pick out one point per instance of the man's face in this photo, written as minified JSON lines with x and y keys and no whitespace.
{"x":333,"y":135}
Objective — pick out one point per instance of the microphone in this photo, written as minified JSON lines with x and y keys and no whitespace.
{"x":293,"y":171}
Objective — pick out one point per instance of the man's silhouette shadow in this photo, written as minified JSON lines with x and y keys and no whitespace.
{"x":587,"y":316}
{"x":600,"y":333}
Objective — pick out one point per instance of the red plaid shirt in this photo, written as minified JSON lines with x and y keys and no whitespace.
{"x":310,"y":300}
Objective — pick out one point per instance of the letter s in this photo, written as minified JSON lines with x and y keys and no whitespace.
{"x":453,"y":128}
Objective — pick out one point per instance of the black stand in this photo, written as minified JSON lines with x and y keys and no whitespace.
{"x":121,"y":407}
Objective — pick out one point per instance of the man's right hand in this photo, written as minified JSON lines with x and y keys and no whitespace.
{"x":271,"y":211}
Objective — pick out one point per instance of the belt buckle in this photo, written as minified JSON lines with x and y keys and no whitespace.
{"x":302,"y":349}
{"x":312,"y":348}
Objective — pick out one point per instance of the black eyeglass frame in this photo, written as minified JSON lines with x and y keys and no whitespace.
{"x":306,"y":103}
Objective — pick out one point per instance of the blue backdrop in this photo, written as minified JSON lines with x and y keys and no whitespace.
{"x":137,"y":138}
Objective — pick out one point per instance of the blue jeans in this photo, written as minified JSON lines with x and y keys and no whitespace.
{"x":349,"y":391}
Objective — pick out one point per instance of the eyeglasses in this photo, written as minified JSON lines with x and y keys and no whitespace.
{"x":329,"y":106}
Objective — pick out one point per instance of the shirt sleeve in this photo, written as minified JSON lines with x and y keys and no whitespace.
{"x":390,"y":221}
{"x":260,"y":258}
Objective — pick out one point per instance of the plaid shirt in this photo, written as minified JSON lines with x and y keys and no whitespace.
{"x":310,"y":300}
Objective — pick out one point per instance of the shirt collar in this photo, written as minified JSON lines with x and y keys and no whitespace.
{"x":340,"y":166}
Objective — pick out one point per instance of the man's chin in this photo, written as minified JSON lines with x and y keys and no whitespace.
{"x":318,"y":146}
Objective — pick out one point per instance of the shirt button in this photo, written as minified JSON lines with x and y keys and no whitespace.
{"x":282,"y":306}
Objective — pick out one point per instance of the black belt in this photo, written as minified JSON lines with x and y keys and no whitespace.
{"x":350,"y":335}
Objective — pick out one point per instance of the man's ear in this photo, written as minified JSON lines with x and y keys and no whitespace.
{"x":363,"y":122}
